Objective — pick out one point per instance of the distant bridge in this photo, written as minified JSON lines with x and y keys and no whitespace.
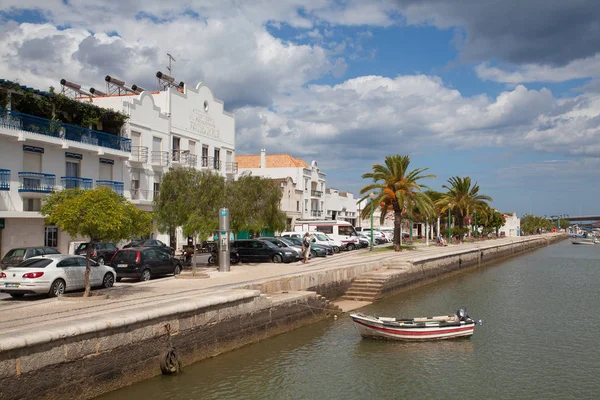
{"x":581,"y":218}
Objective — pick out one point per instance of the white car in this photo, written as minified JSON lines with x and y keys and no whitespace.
{"x":318,"y":238}
{"x":53,"y":274}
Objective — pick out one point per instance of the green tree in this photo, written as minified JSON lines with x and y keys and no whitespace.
{"x":398,"y":189}
{"x":255,"y":203}
{"x":463,"y":199}
{"x":99,"y":214}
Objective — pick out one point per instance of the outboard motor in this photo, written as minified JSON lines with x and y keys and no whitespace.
{"x":462,"y":314}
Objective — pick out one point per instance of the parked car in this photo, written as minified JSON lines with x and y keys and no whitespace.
{"x":255,"y":250}
{"x":150,"y":243}
{"x":284,"y":244}
{"x":143,"y":263}
{"x":363,"y":241}
{"x":316,"y":250}
{"x":17,"y":255}
{"x":53,"y":274}
{"x":102,"y":253}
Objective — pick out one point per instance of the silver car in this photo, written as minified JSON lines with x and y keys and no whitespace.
{"x":53,"y":274}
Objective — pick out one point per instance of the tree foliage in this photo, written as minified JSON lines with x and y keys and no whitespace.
{"x":398,"y":189}
{"x":99,"y":214}
{"x":531,"y":224}
{"x":463,"y":199}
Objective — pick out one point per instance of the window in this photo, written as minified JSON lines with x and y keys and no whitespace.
{"x":106,"y":172}
{"x":205,"y":156}
{"x":297,"y":206}
{"x":32,"y":204}
{"x":72,"y":168}
{"x":192,"y":147}
{"x":35,"y":263}
{"x":32,"y":162}
{"x":51,"y":236}
{"x":157,"y":180}
{"x":68,"y":262}
{"x":346,"y":230}
{"x":325,"y":229}
{"x":217,"y":159}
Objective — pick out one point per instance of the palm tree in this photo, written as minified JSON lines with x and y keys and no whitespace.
{"x":395,"y":188}
{"x":462,"y":198}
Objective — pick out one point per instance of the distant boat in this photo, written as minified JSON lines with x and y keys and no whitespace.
{"x":585,"y":239}
{"x":424,"y":328}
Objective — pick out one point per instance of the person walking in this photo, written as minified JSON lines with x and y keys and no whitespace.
{"x":306,"y":246}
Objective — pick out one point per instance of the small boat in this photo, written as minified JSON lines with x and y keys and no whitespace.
{"x":425,"y":328}
{"x":585,"y":239}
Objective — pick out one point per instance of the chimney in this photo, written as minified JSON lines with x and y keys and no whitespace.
{"x":263,"y":158}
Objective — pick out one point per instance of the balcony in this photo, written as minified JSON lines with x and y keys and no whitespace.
{"x":4,"y":179}
{"x":139,"y":154}
{"x":142,"y":195}
{"x":42,"y":126}
{"x":316,"y":193}
{"x":216,"y":164}
{"x":117,"y":187}
{"x":184,"y":158}
{"x":159,"y":158}
{"x":36,"y":182}
{"x":316,"y":213}
{"x":231,"y":168}
{"x":72,"y":182}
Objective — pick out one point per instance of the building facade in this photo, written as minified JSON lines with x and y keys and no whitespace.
{"x":291,"y":200}
{"x":512,"y":225}
{"x":308,"y":179}
{"x":341,"y":205}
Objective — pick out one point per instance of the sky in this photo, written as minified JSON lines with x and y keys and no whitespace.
{"x":505,"y":92}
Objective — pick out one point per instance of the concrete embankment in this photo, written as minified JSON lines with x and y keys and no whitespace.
{"x":57,"y":349}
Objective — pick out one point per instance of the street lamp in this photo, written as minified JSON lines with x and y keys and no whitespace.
{"x":449,"y":228}
{"x":475,"y":223}
{"x":371,"y":204}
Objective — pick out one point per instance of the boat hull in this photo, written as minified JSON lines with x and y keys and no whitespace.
{"x":372,"y":327}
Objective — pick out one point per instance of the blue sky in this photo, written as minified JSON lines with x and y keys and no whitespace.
{"x":504,"y":92}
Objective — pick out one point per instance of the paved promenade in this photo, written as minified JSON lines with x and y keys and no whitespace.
{"x":130,"y":299}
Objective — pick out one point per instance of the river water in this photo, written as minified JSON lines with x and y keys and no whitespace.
{"x":540,"y":339}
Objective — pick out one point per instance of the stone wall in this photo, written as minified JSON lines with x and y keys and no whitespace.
{"x":87,"y":365}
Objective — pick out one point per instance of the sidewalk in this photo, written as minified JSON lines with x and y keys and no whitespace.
{"x":18,"y":317}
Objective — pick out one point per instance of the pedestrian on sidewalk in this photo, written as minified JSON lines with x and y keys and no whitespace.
{"x":306,"y":240}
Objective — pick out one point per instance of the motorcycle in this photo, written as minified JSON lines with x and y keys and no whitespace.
{"x":234,"y":257}
{"x":186,"y":258}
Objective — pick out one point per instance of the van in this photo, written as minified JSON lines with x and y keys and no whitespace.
{"x":342,"y":231}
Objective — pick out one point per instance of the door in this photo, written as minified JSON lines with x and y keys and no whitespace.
{"x":73,"y":272}
{"x":32,"y":162}
{"x":176,"y":147}
{"x":261,"y":251}
{"x":164,"y":262}
{"x":151,"y":259}
{"x":96,"y":274}
{"x":204,"y":156}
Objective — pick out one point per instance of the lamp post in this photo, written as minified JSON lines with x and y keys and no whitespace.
{"x":449,"y":228}
{"x":371,"y":204}
{"x":475,"y":223}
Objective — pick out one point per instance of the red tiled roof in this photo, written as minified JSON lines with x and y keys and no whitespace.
{"x":273,"y":161}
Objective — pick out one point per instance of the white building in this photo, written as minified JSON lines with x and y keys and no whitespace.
{"x":512,"y":225}
{"x":184,"y":126}
{"x":341,"y":205}
{"x":36,"y":159}
{"x":291,"y":200}
{"x":308,"y":179}
{"x":172,"y":128}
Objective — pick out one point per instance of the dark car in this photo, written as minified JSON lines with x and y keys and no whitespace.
{"x":102,"y":253}
{"x":316,"y":250}
{"x":150,"y":243}
{"x":284,"y":244}
{"x":17,"y":255}
{"x":144,"y":262}
{"x":255,"y":250}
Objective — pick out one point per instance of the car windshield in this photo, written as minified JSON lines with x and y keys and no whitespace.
{"x":15,"y":253}
{"x":320,"y":237}
{"x":269,"y":244}
{"x":35,"y":263}
{"x":125,"y":256}
{"x":82,"y":246}
{"x":287,"y":241}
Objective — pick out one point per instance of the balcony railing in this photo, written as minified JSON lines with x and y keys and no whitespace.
{"x":316,"y":193}
{"x":316,"y":213}
{"x":216,"y":164}
{"x":139,"y":154}
{"x":72,"y":182}
{"x":231,"y":168}
{"x":117,"y":187}
{"x":36,"y":182}
{"x":4,"y":179}
{"x":159,"y":158}
{"x":57,"y":129}
{"x":185,"y":158}
{"x":142,"y":194}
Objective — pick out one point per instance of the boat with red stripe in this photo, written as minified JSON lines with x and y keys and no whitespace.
{"x":422,"y":328}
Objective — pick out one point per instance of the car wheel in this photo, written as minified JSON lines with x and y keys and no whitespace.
{"x":312,"y":254}
{"x":235,"y":259}
{"x":119,"y":279}
{"x":212,"y":259}
{"x":108,"y":280}
{"x":351,"y":246}
{"x":17,"y":295}
{"x":146,"y":275}
{"x":277,"y":258}
{"x":177,"y":270}
{"x":336,"y":249}
{"x":57,"y":288}
{"x":100,"y":260}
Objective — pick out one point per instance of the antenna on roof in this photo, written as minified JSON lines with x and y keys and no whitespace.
{"x":73,"y":89}
{"x":169,"y":67}
{"x":117,"y":86}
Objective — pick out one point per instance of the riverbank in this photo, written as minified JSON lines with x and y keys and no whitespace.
{"x":110,"y":343}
